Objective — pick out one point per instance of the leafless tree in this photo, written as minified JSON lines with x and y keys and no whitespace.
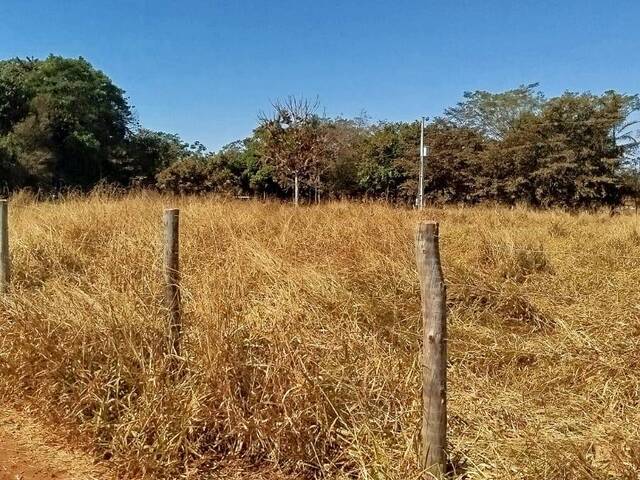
{"x":293,"y":141}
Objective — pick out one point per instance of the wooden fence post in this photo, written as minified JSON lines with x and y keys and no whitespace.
{"x":434,"y":351}
{"x":4,"y":246}
{"x":172,"y":276}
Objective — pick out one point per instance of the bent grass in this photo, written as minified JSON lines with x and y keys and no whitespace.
{"x":302,"y":337}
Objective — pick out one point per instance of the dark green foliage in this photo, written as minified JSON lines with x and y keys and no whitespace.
{"x":345,"y":140}
{"x":243,"y":162}
{"x":564,"y":156}
{"x":382,"y":169}
{"x":494,"y":114}
{"x":235,"y":170}
{"x":146,"y":153}
{"x":14,"y":93}
{"x":65,"y":124}
{"x":12,"y":175}
{"x":557,"y":152}
{"x":61,"y":120}
{"x":190,"y":175}
{"x":454,"y":167}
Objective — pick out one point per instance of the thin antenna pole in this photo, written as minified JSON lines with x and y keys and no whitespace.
{"x":421,"y":179}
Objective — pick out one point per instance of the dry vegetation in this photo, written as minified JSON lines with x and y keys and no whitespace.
{"x":302,"y":338}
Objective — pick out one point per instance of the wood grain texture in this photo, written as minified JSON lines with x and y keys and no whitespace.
{"x":4,"y":246}
{"x":172,"y":276}
{"x":434,"y":350}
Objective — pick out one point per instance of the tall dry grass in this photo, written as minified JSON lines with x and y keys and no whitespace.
{"x":302,"y":338}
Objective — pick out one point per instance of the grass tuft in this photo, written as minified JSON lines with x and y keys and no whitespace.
{"x":302,"y":331}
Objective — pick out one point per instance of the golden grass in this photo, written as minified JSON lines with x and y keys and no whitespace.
{"x":302,"y":338}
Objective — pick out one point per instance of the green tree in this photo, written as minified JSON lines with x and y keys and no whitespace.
{"x":387,"y":168}
{"x":14,"y":94}
{"x":453,"y":170}
{"x":190,"y":175}
{"x":494,"y":114}
{"x":12,"y":175}
{"x":378,"y":172}
{"x":293,"y":143}
{"x":147,"y":152}
{"x":63,"y":119}
{"x":346,"y":139}
{"x":567,"y":155}
{"x":626,"y":134}
{"x":242,"y":159}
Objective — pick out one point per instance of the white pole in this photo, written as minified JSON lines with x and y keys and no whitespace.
{"x":421,"y":179}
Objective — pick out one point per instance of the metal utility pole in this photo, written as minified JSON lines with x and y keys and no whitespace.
{"x":421,"y":179}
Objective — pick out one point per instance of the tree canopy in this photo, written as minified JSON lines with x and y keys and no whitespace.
{"x":495,"y":114}
{"x":61,"y":120}
{"x":65,"y":124}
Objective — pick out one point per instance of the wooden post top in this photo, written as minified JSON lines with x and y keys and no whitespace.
{"x":428,"y":228}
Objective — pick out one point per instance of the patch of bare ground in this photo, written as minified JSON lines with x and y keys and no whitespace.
{"x":29,"y":451}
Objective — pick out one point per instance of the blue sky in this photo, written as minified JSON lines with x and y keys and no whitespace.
{"x":205,"y":69}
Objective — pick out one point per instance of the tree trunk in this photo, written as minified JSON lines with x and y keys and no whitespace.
{"x":295,"y":189}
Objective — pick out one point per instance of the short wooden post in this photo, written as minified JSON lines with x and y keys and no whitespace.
{"x":172,"y":276}
{"x":4,"y":246}
{"x":434,"y":351}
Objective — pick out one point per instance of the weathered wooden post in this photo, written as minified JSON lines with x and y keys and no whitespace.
{"x":434,"y":351}
{"x":4,"y":246}
{"x":172,"y":276}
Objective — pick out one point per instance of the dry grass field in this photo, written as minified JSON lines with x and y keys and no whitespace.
{"x":302,"y":338}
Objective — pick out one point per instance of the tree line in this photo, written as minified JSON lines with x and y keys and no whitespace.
{"x":64,"y":124}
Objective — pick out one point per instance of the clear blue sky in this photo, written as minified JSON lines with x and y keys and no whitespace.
{"x":205,"y":69}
